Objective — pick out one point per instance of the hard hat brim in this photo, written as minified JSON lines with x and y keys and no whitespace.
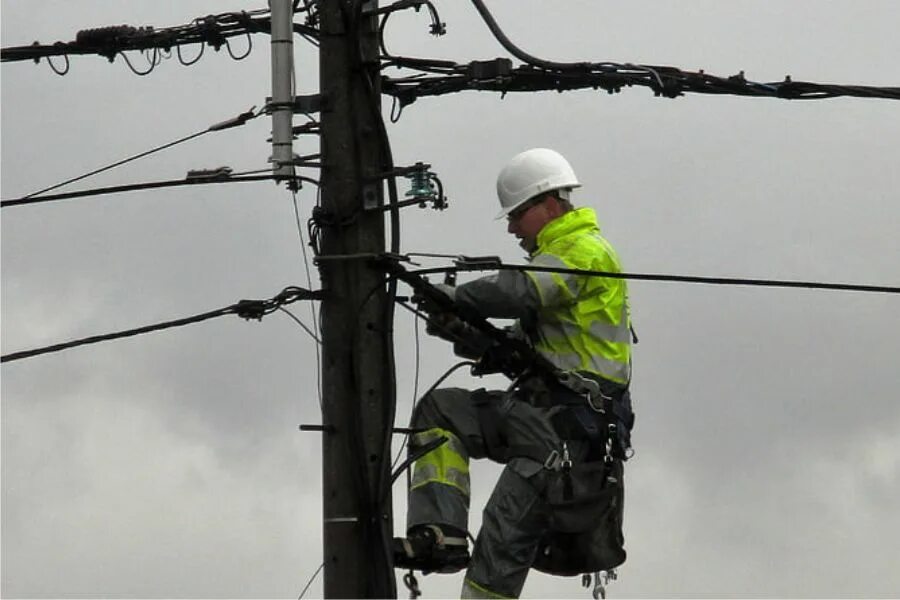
{"x":508,"y":209}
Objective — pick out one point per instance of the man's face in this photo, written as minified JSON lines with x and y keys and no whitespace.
{"x":527,"y":221}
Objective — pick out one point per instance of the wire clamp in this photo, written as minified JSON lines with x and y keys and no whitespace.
{"x":477,"y":263}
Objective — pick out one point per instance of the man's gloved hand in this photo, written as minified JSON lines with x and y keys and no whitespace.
{"x":445,"y":325}
{"x":432,"y":306}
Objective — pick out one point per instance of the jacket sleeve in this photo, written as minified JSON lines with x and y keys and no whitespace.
{"x":504,"y":295}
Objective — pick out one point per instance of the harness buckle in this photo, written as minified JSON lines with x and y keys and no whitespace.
{"x":566,"y":463}
{"x":559,"y":462}
{"x":594,"y":407}
{"x":586,"y":387}
{"x":552,"y":461}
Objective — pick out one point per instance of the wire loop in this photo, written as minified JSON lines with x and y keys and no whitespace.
{"x":191,"y":62}
{"x":59,"y":72}
{"x":132,"y":67}
{"x":246,"y":54}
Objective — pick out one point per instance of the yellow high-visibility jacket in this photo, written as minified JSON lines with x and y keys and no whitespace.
{"x":578,"y":322}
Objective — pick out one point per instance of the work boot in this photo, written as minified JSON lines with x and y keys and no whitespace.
{"x":432,"y":549}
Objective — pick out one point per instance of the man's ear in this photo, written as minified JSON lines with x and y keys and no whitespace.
{"x":554,"y":208}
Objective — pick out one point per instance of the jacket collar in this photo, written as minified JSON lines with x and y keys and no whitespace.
{"x":580,"y":220}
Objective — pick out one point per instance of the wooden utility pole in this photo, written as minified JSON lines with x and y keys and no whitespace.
{"x":356,"y":382}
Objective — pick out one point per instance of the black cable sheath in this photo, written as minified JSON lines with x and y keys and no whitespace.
{"x":213,"y":33}
{"x":518,"y":52}
{"x":815,"y":285}
{"x":119,"y":163}
{"x":117,"y":335}
{"x":247,"y":309}
{"x":141,"y":186}
{"x":416,"y":455}
{"x":241,"y":119}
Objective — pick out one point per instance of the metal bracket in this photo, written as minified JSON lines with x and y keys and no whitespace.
{"x":311,"y":103}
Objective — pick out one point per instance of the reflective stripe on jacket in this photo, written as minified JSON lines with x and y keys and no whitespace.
{"x":578,"y":322}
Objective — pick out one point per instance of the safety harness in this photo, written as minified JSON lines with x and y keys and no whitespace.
{"x":601,"y":426}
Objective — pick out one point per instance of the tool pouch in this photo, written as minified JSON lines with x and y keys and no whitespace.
{"x":585,"y":533}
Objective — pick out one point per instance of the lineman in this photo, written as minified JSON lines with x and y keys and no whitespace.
{"x":557,"y":506}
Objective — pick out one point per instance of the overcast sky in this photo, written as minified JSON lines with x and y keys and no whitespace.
{"x":170,"y":464}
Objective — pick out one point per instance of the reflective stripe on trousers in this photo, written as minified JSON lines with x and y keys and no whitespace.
{"x":447,"y":464}
{"x":471,"y":590}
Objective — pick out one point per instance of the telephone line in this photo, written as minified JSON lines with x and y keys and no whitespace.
{"x":110,"y":41}
{"x":240,"y":178}
{"x":246,"y":309}
{"x":493,"y":263}
{"x":541,"y":74}
{"x":735,"y":281}
{"x":237,"y":121}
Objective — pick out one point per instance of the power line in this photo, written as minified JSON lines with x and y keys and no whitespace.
{"x":309,"y":583}
{"x":246,"y":309}
{"x":493,"y":263}
{"x":737,"y":281}
{"x":211,"y":30}
{"x":541,"y":74}
{"x":312,"y":308}
{"x":415,"y":396}
{"x":248,"y":176}
{"x":301,"y":324}
{"x":227,"y":124}
{"x":488,"y":18}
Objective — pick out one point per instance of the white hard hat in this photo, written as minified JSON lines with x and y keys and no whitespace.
{"x":531,"y":173}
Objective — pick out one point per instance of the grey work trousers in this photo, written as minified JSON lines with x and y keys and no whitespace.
{"x":516,"y":514}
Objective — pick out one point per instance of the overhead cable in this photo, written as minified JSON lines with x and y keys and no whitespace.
{"x":438,"y":77}
{"x":736,"y":281}
{"x":309,"y":583}
{"x":524,"y":56}
{"x":672,"y":87}
{"x":227,"y":124}
{"x":312,"y":307}
{"x":111,"y":41}
{"x":246,"y":309}
{"x":493,"y":263}
{"x":301,"y":324}
{"x":237,"y":178}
